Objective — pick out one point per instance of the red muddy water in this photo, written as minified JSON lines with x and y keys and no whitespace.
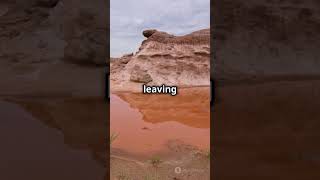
{"x":146,"y":124}
{"x":32,"y":150}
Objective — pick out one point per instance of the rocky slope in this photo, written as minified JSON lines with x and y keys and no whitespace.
{"x":265,"y":40}
{"x":46,"y":45}
{"x":164,"y":59}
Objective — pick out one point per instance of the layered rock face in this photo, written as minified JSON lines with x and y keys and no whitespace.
{"x":45,"y":45}
{"x":165,"y":59}
{"x":74,"y":26}
{"x":265,"y":40}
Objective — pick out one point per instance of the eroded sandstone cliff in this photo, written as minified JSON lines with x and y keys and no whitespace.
{"x":46,"y":45}
{"x":265,"y":40}
{"x":164,"y":59}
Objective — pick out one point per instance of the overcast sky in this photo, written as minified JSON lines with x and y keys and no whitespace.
{"x":130,"y":17}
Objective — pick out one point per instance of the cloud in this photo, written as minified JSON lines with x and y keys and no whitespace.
{"x":130,"y":17}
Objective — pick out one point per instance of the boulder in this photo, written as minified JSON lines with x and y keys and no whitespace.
{"x":149,"y":32}
{"x":139,"y":75}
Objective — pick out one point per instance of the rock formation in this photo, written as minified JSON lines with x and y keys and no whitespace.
{"x":265,"y":40}
{"x":164,"y":59}
{"x":46,"y":45}
{"x":149,"y":32}
{"x":267,"y":68}
{"x":51,"y":51}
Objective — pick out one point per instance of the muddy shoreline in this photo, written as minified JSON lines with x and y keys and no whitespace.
{"x":147,"y":151}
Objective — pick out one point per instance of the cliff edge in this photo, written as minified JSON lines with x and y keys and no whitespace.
{"x":164,"y":59}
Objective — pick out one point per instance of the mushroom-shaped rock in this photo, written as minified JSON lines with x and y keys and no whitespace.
{"x":147,"y":33}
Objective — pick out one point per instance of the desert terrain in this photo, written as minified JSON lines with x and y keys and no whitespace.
{"x":163,"y":58}
{"x":52,"y":67}
{"x":266,"y":67}
{"x":140,"y":149}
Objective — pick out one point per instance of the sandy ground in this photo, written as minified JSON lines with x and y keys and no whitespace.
{"x":177,"y":160}
{"x":188,"y":164}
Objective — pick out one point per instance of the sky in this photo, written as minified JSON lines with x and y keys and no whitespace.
{"x":128,"y":18}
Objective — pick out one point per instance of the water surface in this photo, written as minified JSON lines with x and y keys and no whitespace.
{"x":148,"y":124}
{"x":31,"y":149}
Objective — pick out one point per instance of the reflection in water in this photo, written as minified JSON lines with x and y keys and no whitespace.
{"x":29,"y":146}
{"x":269,"y":127}
{"x":146,"y":124}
